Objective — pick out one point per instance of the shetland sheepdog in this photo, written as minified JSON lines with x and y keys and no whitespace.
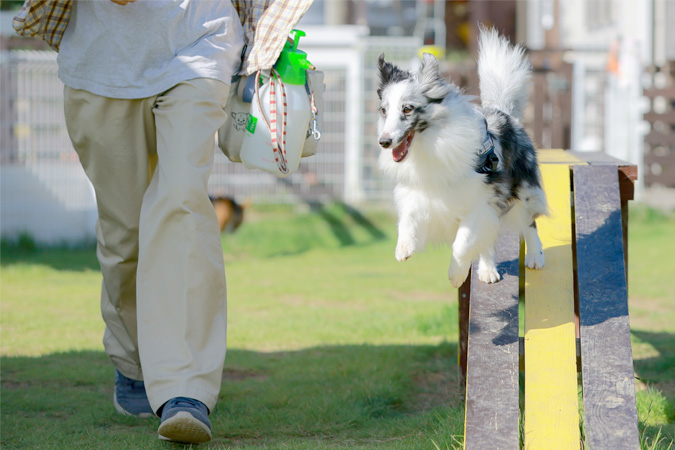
{"x":462,"y":171}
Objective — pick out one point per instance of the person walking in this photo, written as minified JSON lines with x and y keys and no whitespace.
{"x":146,"y":84}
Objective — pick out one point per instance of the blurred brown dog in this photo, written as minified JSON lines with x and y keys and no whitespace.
{"x":230,"y":213}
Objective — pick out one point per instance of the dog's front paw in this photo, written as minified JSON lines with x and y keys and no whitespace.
{"x":457,"y":275}
{"x":488,"y":274}
{"x":535,"y":260}
{"x":404,"y":249}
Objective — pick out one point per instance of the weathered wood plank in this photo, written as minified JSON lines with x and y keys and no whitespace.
{"x":606,"y":356}
{"x":628,"y":173}
{"x":492,"y":410}
{"x":551,"y":395}
{"x":463,"y":299}
{"x":603,"y":159}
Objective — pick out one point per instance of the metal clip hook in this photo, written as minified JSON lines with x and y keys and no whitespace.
{"x":315,"y":130}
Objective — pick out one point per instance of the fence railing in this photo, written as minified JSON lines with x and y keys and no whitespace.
{"x":36,"y":154}
{"x":659,"y":154}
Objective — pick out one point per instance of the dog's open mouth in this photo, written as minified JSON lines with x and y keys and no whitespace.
{"x":401,"y":151}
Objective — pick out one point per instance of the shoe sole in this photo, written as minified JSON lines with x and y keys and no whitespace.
{"x":184,"y":428}
{"x":124,"y":412}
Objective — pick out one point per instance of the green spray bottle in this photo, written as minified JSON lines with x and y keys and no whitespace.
{"x":258,"y":146}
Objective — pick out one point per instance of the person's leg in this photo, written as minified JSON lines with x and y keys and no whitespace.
{"x":182,"y":311}
{"x":115,"y":141}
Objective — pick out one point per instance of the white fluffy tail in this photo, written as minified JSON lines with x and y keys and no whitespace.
{"x":505,"y":73}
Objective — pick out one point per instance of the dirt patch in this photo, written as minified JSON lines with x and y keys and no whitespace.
{"x":8,"y":384}
{"x":422,"y":296}
{"x":651,"y":314}
{"x":436,"y":389}
{"x":235,"y":374}
{"x":313,"y":302}
{"x":650,"y":304}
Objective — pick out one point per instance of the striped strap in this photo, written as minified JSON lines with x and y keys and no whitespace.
{"x":278,"y":145}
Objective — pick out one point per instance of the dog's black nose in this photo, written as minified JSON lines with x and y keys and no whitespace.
{"x":385,"y":143}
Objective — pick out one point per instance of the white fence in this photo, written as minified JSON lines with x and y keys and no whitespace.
{"x":45,"y":193}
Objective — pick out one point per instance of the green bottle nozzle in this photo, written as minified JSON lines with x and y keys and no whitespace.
{"x":297,"y":34}
{"x":292,"y":63}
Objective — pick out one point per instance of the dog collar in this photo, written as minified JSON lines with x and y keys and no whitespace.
{"x":488,"y":162}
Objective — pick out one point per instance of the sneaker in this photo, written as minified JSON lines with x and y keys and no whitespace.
{"x":185,"y":420}
{"x":130,"y":398}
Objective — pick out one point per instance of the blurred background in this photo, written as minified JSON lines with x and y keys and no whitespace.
{"x":603,"y":83}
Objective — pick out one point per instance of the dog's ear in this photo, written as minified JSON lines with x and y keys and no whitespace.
{"x":434,"y":86}
{"x":389,"y":73}
{"x":384,"y":74}
{"x":429,"y":66}
{"x":380,"y":61}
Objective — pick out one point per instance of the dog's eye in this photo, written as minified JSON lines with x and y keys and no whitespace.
{"x":383,"y":111}
{"x":407,"y":109}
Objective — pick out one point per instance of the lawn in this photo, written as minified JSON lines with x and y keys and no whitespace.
{"x":332,"y":344}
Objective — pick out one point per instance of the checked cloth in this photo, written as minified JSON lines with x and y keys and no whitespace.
{"x":267,"y":24}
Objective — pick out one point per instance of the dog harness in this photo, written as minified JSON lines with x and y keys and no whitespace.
{"x":488,"y":162}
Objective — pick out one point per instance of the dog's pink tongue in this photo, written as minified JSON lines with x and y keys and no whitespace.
{"x":401,"y":151}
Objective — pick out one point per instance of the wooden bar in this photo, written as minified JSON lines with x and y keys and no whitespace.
{"x":606,"y":356}
{"x":464,"y":297}
{"x":551,"y":395}
{"x":584,"y":241}
{"x":492,"y":409}
{"x":627,"y":176}
{"x":627,"y":171}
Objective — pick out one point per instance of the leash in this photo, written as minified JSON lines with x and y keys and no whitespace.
{"x":488,"y":161}
{"x":279,"y":147}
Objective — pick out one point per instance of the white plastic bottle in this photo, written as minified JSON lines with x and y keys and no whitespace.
{"x":257,"y":151}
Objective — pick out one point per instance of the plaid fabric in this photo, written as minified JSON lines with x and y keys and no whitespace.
{"x":250,"y":12}
{"x":267,"y":24}
{"x":272,"y":31}
{"x":47,"y":19}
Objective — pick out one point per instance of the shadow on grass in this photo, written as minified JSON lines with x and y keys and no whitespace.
{"x":657,"y":403}
{"x":341,"y":230}
{"x":76,"y":258}
{"x":347,"y":395}
{"x":657,"y":370}
{"x":274,"y":237}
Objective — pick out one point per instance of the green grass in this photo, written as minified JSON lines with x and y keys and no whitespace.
{"x":332,"y":344}
{"x":651,"y":253}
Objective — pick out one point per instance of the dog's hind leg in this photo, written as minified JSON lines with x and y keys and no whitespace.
{"x":535,"y":206}
{"x":534,"y":259}
{"x":522,"y":217}
{"x":476,"y":236}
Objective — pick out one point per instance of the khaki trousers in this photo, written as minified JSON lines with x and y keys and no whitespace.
{"x":163,"y":297}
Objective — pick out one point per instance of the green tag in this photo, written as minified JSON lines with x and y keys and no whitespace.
{"x":252,"y":122}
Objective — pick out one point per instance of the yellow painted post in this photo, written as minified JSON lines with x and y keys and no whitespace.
{"x":551,"y":396}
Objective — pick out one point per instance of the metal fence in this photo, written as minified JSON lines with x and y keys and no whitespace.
{"x":45,"y":192}
{"x":41,"y":174}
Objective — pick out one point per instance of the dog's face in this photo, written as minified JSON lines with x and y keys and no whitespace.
{"x":409,"y":103}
